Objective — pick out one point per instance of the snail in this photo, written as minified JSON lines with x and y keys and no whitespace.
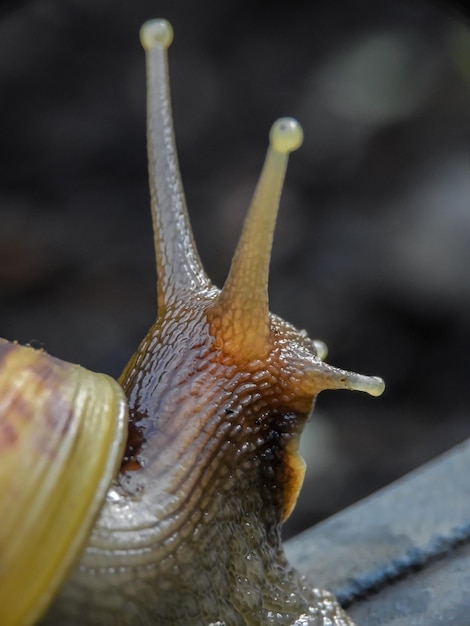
{"x":159,"y":499}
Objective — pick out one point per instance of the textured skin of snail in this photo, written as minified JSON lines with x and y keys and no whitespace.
{"x":195,"y":538}
{"x":218,"y":394}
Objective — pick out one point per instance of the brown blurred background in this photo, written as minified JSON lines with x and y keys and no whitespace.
{"x":372,"y":252}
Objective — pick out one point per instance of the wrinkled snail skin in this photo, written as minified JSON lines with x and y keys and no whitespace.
{"x":218,"y":394}
{"x":195,"y":536}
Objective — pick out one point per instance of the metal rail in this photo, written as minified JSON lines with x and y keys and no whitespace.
{"x":402,"y":556}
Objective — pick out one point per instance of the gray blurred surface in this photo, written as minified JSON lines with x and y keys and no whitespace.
{"x":402,"y":556}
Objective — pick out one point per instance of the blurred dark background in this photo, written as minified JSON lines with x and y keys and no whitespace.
{"x":372,"y":251}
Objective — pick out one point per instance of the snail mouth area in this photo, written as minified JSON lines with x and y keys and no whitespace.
{"x":277,"y":465}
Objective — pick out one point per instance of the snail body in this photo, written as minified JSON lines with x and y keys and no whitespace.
{"x":218,"y":392}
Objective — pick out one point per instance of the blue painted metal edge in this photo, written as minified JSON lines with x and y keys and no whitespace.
{"x":410,"y":531}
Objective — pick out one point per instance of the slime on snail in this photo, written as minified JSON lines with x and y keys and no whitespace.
{"x":176,"y":519}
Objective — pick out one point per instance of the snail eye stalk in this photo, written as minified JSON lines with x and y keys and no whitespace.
{"x":241,"y":314}
{"x":179,"y":268}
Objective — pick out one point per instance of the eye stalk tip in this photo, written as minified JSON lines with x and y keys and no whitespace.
{"x":372,"y":385}
{"x":286,"y":135}
{"x":376,"y":386}
{"x":156,"y":32}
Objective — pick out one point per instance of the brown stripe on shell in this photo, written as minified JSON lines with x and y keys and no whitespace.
{"x":8,"y":435}
{"x":55,"y":375}
{"x":35,"y":388}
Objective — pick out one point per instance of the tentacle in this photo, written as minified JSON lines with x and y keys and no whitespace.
{"x":179,"y":268}
{"x":241,"y":314}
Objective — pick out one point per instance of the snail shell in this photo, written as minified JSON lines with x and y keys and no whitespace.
{"x":62,"y":434}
